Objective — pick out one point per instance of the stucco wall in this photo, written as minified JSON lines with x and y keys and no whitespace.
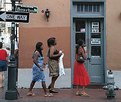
{"x":113,"y":31}
{"x":38,"y":29}
{"x":59,"y":13}
{"x":29,"y":37}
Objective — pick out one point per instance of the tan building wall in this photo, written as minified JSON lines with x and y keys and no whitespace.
{"x":33,"y":35}
{"x":113,"y":32}
{"x":38,"y":29}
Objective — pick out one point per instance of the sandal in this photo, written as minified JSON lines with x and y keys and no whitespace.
{"x":48,"y":95}
{"x":84,"y":94}
{"x":52,"y":91}
{"x":78,"y":94}
{"x":30,"y":94}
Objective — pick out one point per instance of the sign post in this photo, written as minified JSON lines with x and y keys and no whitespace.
{"x":11,"y":92}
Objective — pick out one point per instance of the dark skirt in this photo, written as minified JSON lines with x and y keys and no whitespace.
{"x":3,"y":65}
{"x":53,"y":68}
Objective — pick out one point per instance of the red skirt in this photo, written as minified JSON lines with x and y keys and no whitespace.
{"x":81,"y":76}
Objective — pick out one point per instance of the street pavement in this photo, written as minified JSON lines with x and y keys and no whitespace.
{"x":64,"y":95}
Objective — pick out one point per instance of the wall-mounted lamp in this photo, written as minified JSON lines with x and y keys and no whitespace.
{"x":47,"y":14}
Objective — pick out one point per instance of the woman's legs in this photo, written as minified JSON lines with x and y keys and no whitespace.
{"x":51,"y":86}
{"x":53,"y":81}
{"x":44,"y":87}
{"x":78,"y":90}
{"x":83,"y":91}
{"x":31,"y":87}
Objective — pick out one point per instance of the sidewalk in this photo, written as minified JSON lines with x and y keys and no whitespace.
{"x":64,"y":95}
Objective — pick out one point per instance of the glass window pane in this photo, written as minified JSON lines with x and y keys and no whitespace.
{"x":95,"y":35}
{"x":90,"y":8}
{"x":86,"y":8}
{"x":98,"y":8}
{"x":80,"y":36}
{"x":80,"y":25}
{"x":96,"y":51}
{"x":94,"y":8}
{"x":82,"y":8}
{"x":78,"y":8}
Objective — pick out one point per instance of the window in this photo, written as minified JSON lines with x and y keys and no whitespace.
{"x":96,"y":51}
{"x":88,"y":7}
{"x":78,"y":8}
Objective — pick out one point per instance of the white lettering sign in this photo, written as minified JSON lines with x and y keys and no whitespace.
{"x":95,"y":41}
{"x":95,"y":27}
{"x":9,"y":16}
{"x":20,"y":17}
{"x":14,"y":16}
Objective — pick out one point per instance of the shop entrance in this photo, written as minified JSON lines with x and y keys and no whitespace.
{"x":91,"y":31}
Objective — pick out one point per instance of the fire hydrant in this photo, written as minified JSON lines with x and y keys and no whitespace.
{"x":110,"y":86}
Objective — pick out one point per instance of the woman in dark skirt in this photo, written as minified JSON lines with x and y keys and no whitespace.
{"x":53,"y":57}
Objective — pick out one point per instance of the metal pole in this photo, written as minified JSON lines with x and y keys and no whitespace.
{"x":12,"y":93}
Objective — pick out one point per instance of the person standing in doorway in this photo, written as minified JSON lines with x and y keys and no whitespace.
{"x":37,"y":70}
{"x":81,"y":77}
{"x":53,"y":65}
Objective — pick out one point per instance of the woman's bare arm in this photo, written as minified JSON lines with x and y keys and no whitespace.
{"x":35,"y":59}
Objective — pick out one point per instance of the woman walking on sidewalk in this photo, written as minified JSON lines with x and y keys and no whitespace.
{"x":37,"y":70}
{"x":53,"y":65}
{"x":81,"y":77}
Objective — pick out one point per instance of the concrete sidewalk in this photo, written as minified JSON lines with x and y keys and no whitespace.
{"x":64,"y":95}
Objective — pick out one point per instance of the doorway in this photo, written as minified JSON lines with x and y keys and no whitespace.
{"x":91,"y":31}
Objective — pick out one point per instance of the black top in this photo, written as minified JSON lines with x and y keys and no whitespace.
{"x":54,"y":58}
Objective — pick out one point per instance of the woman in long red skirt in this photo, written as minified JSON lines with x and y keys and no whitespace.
{"x":81,"y":77}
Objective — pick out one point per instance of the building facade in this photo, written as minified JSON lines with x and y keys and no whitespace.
{"x":97,"y":22}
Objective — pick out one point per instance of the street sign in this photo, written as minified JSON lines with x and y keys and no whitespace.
{"x":23,"y":8}
{"x":14,"y":16}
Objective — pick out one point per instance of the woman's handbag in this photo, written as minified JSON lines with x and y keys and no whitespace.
{"x":80,"y":59}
